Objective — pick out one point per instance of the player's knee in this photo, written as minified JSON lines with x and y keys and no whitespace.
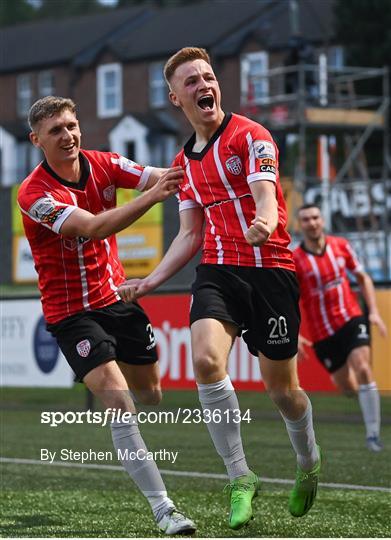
{"x":206,"y":364}
{"x":363,"y":372}
{"x":151,"y":396}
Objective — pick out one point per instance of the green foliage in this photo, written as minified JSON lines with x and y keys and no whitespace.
{"x":15,"y":11}
{"x":363,"y":27}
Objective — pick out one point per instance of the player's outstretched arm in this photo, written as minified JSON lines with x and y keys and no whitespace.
{"x":266,"y":213}
{"x":183,"y":248}
{"x":368,"y":291}
{"x":83,"y":223}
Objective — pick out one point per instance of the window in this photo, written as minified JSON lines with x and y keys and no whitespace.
{"x":254,"y":86}
{"x":109,"y":90}
{"x":157,"y":85}
{"x":45,"y":83}
{"x":24,"y":94}
{"x":335,"y":57}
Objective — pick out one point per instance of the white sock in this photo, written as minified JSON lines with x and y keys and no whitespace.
{"x":225,"y":433}
{"x":144,"y":472}
{"x":302,"y":436}
{"x":369,"y":399}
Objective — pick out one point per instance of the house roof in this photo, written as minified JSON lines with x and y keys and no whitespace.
{"x":148,"y":32}
{"x":48,"y":42}
{"x":202,"y":24}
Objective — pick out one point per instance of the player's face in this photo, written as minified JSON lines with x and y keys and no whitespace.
{"x":195,"y":89}
{"x":311,"y":223}
{"x":58,"y":137}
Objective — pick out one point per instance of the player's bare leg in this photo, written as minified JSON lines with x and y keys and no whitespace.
{"x":345,"y":380}
{"x":212,"y":341}
{"x":368,"y":395}
{"x":281,"y":381}
{"x":108,"y":384}
{"x":143,"y":382}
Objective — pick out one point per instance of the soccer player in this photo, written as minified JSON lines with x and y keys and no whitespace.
{"x":338,"y":328}
{"x":231,"y":200}
{"x":68,"y":204}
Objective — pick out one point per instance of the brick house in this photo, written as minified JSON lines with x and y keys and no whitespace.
{"x":111,"y":65}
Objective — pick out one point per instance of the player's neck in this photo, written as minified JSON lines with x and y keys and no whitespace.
{"x":317,"y":245}
{"x":205,"y":131}
{"x":70,"y":171}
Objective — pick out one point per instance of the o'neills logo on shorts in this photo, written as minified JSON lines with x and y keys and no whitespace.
{"x":83,"y":348}
{"x":234,"y":165}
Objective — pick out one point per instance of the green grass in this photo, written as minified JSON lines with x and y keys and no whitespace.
{"x":45,"y":501}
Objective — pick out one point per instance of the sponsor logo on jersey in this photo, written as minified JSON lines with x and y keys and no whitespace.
{"x":234,"y":165}
{"x":71,"y":243}
{"x":185,"y":187}
{"x":83,"y":348}
{"x":108,"y":193}
{"x":268,"y":161}
{"x":264,"y":149}
{"x":46,"y":210}
{"x":267,"y":168}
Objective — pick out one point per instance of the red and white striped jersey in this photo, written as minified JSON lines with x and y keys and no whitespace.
{"x":327,"y":300}
{"x":75,"y":274}
{"x":218,"y":179}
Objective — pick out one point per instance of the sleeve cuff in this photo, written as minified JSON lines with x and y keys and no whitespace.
{"x":256,"y":177}
{"x":188,"y":203}
{"x":144,"y":178}
{"x":64,"y":216}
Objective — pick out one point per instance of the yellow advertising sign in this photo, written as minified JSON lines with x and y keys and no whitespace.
{"x":140,"y":246}
{"x":140,"y":249}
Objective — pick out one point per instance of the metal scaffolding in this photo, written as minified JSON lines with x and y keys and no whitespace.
{"x":334,"y":120}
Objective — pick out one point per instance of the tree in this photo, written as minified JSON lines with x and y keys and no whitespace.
{"x":363,"y":27}
{"x":15,"y":11}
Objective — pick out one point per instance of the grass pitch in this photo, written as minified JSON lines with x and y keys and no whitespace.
{"x":62,"y":501}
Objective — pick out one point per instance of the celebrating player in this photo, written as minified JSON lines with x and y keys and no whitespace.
{"x":246,"y":281}
{"x":69,"y":215}
{"x":338,"y":328}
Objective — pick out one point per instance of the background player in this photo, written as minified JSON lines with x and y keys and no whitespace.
{"x":336,"y":322}
{"x":69,"y":215}
{"x":246,"y":280}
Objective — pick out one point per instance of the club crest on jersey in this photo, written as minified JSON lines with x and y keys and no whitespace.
{"x":341,"y":262}
{"x":264,"y":149}
{"x":83,"y":348}
{"x":234,"y":165}
{"x":108,"y":193}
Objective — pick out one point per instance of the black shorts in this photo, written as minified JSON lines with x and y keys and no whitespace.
{"x":333,"y":351}
{"x":262,"y":302}
{"x":116,"y":332}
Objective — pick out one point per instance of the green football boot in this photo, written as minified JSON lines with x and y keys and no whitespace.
{"x":242,"y":490}
{"x":303,"y":494}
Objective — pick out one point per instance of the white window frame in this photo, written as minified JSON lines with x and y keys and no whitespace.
{"x":247,"y":75}
{"x":24,"y":94}
{"x":104,"y":111}
{"x":336,"y":57}
{"x":157,"y":84}
{"x":45,"y":83}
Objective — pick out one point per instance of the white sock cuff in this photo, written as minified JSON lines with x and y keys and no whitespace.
{"x":366,"y":387}
{"x":210,"y":393}
{"x":303,"y":419}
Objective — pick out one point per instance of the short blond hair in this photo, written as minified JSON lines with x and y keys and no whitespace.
{"x":47,"y":107}
{"x":187,"y":54}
